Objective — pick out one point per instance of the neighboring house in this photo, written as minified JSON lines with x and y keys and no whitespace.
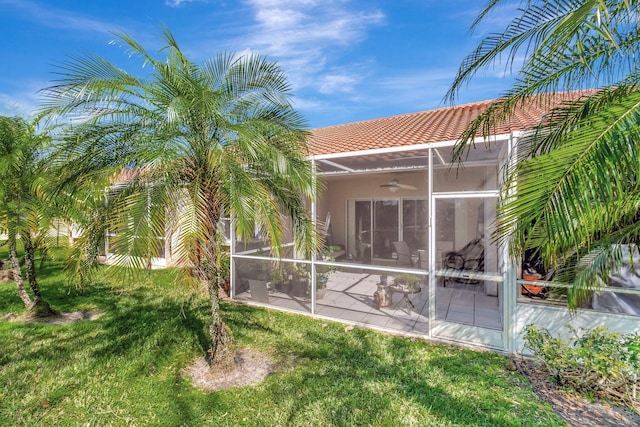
{"x":393,"y":205}
{"x":164,"y":255}
{"x":58,"y":229}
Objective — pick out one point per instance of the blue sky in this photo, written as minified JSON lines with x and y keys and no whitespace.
{"x":347,"y":60}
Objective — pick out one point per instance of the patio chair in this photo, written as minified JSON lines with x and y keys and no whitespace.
{"x":403,"y":253}
{"x":469,"y":258}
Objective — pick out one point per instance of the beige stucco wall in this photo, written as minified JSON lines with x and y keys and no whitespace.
{"x":337,"y":189}
{"x":555,"y":320}
{"x":340,"y":188}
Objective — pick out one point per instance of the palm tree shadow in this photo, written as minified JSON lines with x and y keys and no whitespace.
{"x":342,"y":361}
{"x":195,"y":323}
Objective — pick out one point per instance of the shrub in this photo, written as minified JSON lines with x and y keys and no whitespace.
{"x":593,"y":361}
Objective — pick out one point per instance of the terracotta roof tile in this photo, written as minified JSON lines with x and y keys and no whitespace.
{"x":443,"y":124}
{"x":125,"y":175}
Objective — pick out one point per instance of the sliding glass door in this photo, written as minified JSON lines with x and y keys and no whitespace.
{"x":385,"y":228}
{"x":414,"y":224}
{"x":374,"y":224}
{"x":359,"y":230}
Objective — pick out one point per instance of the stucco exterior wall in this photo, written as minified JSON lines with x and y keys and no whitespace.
{"x":555,"y":319}
{"x":337,"y":189}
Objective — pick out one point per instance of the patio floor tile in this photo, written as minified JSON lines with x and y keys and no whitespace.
{"x":485,"y":301}
{"x":400,"y":324}
{"x":460,"y":317}
{"x":349,"y":297}
{"x":353,"y":316}
{"x":330,"y":311}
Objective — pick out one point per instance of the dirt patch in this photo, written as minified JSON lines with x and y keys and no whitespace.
{"x":9,"y":317}
{"x":58,"y":319}
{"x":572,"y":407}
{"x":252,"y":367}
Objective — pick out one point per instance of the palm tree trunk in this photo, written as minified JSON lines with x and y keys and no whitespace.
{"x":222,"y":348}
{"x":16,"y":273}
{"x":29,"y":260}
{"x":40,"y":307}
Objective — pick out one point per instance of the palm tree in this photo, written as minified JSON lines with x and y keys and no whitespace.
{"x":197,"y":142}
{"x":577,"y":176}
{"x":24,"y":212}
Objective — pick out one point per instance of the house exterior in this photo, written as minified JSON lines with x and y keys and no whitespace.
{"x":409,"y":238}
{"x":392,"y":207}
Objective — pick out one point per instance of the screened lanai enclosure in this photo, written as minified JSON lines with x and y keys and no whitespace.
{"x":408,"y":246}
{"x":408,"y":238}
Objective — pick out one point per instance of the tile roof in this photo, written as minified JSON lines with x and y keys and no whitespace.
{"x":125,"y":175}
{"x":443,"y":124}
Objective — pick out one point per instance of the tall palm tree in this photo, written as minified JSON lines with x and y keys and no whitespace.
{"x":24,"y":211}
{"x":577,"y":176}
{"x":197,"y":142}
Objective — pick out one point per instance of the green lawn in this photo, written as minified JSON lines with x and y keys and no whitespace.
{"x":124,"y":368}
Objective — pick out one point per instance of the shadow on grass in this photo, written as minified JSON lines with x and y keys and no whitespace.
{"x":361,"y":377}
{"x":130,"y":360}
{"x":139,"y":335}
{"x":56,"y":290}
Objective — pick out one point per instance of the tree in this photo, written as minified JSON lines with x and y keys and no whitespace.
{"x":577,"y":178}
{"x":197,"y":142}
{"x":24,"y":212}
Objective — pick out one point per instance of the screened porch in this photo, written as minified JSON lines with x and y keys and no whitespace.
{"x":408,"y":246}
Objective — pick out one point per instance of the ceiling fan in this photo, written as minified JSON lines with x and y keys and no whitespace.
{"x":394,"y":185}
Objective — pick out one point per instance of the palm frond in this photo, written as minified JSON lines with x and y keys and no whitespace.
{"x":571,"y":195}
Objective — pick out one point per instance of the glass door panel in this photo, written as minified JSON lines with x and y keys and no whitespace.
{"x":468,"y":287}
{"x":414,"y":224}
{"x":463,"y":234}
{"x":359,"y":230}
{"x":385,"y":228}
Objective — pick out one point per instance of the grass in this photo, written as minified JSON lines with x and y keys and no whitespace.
{"x":125,"y":367}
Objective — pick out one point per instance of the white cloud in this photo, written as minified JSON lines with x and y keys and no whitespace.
{"x":425,"y":88}
{"x":500,"y":16}
{"x":306,"y":35}
{"x":342,"y":82}
{"x":59,"y":18}
{"x":9,"y":106}
{"x":22,"y":102}
{"x":409,"y":80}
{"x":176,"y":3}
{"x":263,"y":4}
{"x":307,"y":104}
{"x":277,"y":18}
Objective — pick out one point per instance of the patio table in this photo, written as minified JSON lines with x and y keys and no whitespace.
{"x":405,"y":301}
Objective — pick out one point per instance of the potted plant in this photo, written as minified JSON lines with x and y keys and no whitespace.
{"x":410,"y":282}
{"x":261,"y":266}
{"x":324,"y":271}
{"x":300,"y":280}
{"x":281,"y":276}
{"x":322,"y":277}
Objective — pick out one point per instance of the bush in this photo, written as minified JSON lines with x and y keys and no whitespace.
{"x":593,"y":361}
